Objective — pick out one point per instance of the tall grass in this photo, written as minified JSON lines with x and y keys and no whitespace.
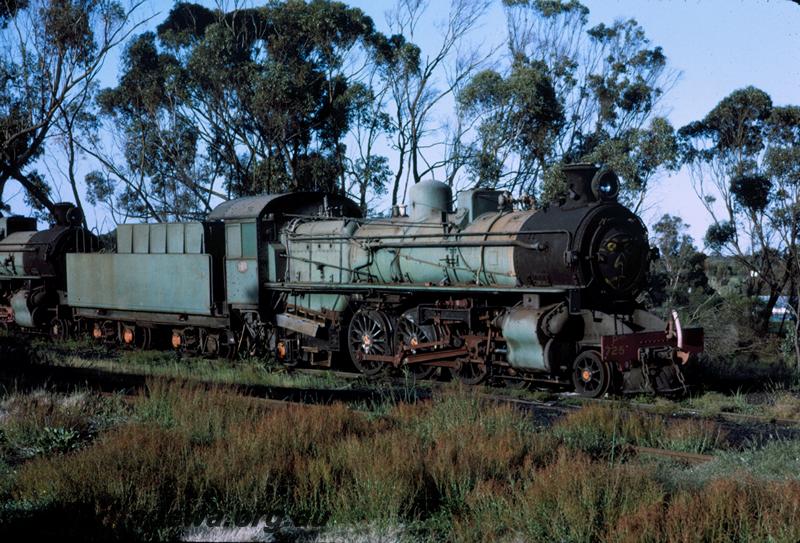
{"x":572,"y":499}
{"x":170,"y":364}
{"x":456,"y":469}
{"x":606,"y":431}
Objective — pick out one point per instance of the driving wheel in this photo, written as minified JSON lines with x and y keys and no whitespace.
{"x":369,"y":334}
{"x":410,"y":334}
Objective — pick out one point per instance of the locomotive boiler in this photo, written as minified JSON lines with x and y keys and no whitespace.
{"x":484,"y":290}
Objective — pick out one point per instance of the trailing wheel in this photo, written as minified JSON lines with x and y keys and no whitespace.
{"x":369,"y":334}
{"x":410,"y":334}
{"x":590,"y":375}
{"x":143,"y":338}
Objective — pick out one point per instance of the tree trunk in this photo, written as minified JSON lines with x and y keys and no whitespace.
{"x":766,"y":314}
{"x":34,"y":192}
{"x":797,"y":330}
{"x":3,"y":180}
{"x":399,"y":175}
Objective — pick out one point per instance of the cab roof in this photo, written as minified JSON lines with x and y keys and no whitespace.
{"x":290,"y":203}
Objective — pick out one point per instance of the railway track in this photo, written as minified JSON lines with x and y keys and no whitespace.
{"x":365,"y":390}
{"x":740,"y":428}
{"x":687,"y":457}
{"x":677,"y":412}
{"x":11,"y":349}
{"x":362,"y":393}
{"x":64,"y":379}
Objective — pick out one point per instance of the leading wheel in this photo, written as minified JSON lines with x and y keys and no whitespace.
{"x":471,"y":373}
{"x":590,"y":375}
{"x":369,"y":334}
{"x":513,"y":380}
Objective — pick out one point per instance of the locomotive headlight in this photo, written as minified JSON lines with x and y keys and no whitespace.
{"x":605,"y":185}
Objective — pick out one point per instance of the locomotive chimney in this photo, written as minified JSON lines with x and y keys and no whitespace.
{"x":67,"y":214}
{"x":586,"y":183}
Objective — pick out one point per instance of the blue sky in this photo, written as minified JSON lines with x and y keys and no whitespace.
{"x":717,"y":45}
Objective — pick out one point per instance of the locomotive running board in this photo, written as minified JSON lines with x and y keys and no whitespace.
{"x":372,"y":287}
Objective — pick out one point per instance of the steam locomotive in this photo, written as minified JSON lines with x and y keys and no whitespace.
{"x":483,"y":291}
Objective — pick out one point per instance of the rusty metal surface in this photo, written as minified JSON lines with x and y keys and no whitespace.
{"x":624,"y":348}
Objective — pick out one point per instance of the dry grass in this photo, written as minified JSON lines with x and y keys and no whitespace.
{"x":572,"y":499}
{"x":456,"y":469}
{"x":578,"y":499}
{"x":193,"y":453}
{"x":785,"y":405}
{"x":734,"y":510}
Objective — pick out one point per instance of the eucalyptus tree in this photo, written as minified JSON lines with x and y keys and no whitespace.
{"x":422,"y":81}
{"x":367,"y":171}
{"x":745,"y":165}
{"x":239,"y":102}
{"x":51,"y":52}
{"x":570,"y":92}
{"x":678,"y":277}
